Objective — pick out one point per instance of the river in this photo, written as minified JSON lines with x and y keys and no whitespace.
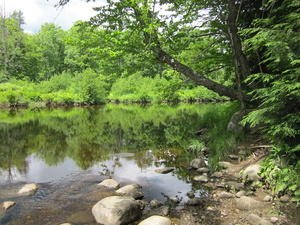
{"x":67,"y":151}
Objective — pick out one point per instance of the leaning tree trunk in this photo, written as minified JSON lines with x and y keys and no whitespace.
{"x":199,"y":79}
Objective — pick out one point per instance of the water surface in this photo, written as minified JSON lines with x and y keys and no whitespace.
{"x":68,"y":151}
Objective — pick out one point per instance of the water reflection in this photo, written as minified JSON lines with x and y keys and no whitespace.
{"x":67,"y":151}
{"x":46,"y":144}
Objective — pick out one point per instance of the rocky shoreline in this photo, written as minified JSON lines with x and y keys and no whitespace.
{"x":237,"y":196}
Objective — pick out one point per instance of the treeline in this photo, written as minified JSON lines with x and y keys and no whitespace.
{"x":84,"y":65}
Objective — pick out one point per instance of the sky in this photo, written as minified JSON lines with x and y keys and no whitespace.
{"x":38,"y":12}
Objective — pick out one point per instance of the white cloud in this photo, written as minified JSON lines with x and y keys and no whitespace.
{"x":38,"y":12}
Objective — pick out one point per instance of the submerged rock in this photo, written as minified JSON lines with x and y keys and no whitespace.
{"x":156,"y":220}
{"x":164,"y":170}
{"x":28,"y":189}
{"x":110,"y":183}
{"x":117,"y":210}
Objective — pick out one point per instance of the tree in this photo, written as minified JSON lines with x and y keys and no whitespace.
{"x":160,"y":34}
{"x":11,"y":38}
{"x":51,"y":46}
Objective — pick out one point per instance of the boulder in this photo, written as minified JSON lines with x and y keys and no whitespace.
{"x":117,"y":210}
{"x":156,"y":220}
{"x":202,"y":178}
{"x":132,"y":190}
{"x":164,"y":170}
{"x":28,"y":189}
{"x":198,"y":163}
{"x":251,"y":173}
{"x":110,"y":183}
{"x":234,"y":123}
{"x":247,"y":203}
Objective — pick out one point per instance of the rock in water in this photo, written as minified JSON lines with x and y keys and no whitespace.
{"x":202,"y":178}
{"x":132,"y":190}
{"x":8,"y":204}
{"x":117,"y":210}
{"x":156,"y":220}
{"x":28,"y":189}
{"x":110,"y":183}
{"x":164,"y":170}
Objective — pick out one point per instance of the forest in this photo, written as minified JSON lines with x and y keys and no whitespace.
{"x":170,"y":50}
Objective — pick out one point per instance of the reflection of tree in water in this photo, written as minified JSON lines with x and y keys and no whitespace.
{"x":13,"y":150}
{"x":90,"y":135}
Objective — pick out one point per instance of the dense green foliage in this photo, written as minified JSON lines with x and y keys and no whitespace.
{"x":136,"y":50}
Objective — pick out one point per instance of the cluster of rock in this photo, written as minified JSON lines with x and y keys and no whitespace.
{"x":236,"y":188}
{"x":125,"y":207}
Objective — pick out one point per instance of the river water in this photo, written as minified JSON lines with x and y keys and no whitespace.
{"x":68,"y":151}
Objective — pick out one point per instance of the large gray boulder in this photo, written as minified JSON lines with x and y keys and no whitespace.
{"x":156,"y":220}
{"x":117,"y":210}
